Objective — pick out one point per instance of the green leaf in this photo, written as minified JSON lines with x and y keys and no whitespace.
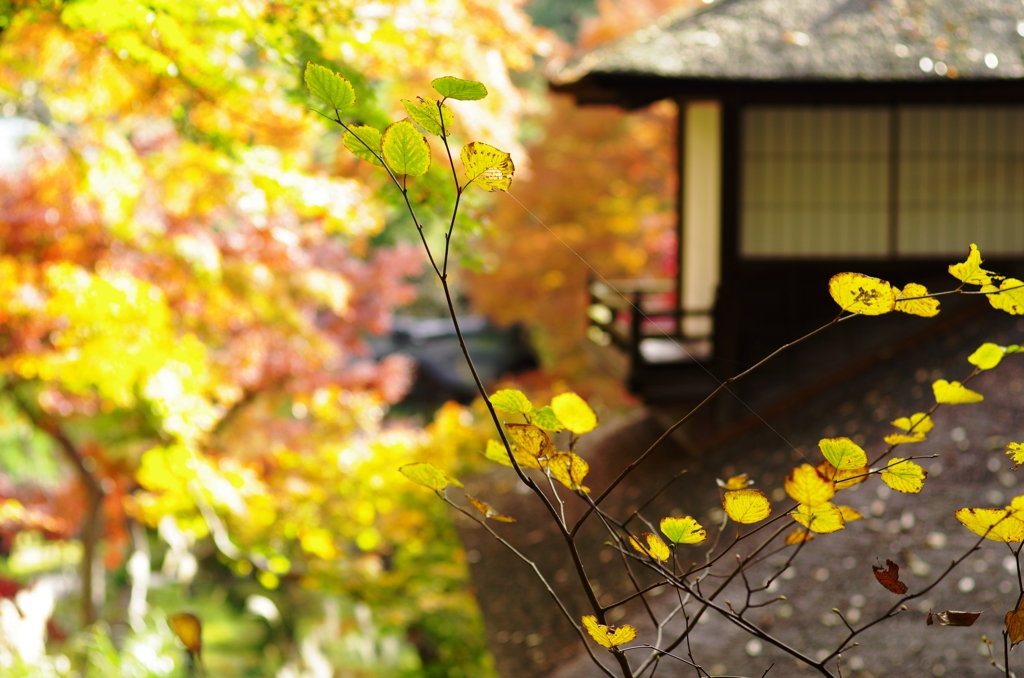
{"x":987,"y":356}
{"x":428,"y":475}
{"x":426,"y":115}
{"x":354,"y":141}
{"x":487,"y":167}
{"x":685,"y":530}
{"x":457,"y":88}
{"x":405,"y":149}
{"x":329,"y":87}
{"x":511,"y":400}
{"x":843,"y":453}
{"x":546,"y":419}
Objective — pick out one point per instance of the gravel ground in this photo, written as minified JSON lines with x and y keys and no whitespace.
{"x":530,"y":638}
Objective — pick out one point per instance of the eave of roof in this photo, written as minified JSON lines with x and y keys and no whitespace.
{"x":852,"y":41}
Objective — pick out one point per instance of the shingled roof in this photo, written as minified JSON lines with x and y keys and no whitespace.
{"x":816,"y":40}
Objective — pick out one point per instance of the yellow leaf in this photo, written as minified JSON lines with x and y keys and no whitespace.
{"x":574,"y":413}
{"x":746,"y":506}
{"x":798,"y":535}
{"x":1010,"y":299}
{"x":568,"y":469}
{"x":970,"y":271}
{"x":511,"y":400}
{"x":735,"y":483}
{"x":904,"y":476}
{"x":431,"y":116}
{"x":843,"y":453}
{"x":954,"y":393}
{"x":189,"y":630}
{"x":531,"y":440}
{"x":845,"y":478}
{"x":919,"y":422}
{"x":823,"y":518}
{"x":405,"y":150}
{"x":683,"y":530}
{"x":806,"y":485}
{"x":927,"y":308}
{"x":427,"y":475}
{"x":987,"y":356}
{"x":1016,"y":453}
{"x":994,"y":524}
{"x":903,"y":438}
{"x":487,"y":167}
{"x":608,"y":636}
{"x":496,"y":452}
{"x":489,"y":511}
{"x":656,"y":549}
{"x":859,"y":293}
{"x":850,"y":514}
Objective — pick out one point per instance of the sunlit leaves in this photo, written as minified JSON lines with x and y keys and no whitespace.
{"x":823,"y":518}
{"x":1008,"y":297}
{"x":986,"y":356}
{"x":405,"y":150}
{"x":432,"y":116}
{"x":806,"y":485}
{"x":954,"y":393}
{"x":364,"y":143}
{"x":489,"y":511}
{"x":511,"y":400}
{"x":574,"y":413}
{"x":995,"y":524}
{"x":531,"y":440}
{"x":487,"y":167}
{"x":850,"y":514}
{"x":545,"y":418}
{"x":329,"y":87}
{"x":1016,"y":453}
{"x":916,"y":305}
{"x":457,"y":88}
{"x":798,"y":536}
{"x":746,"y":506}
{"x":608,"y":636}
{"x":428,"y":475}
{"x":843,"y":453}
{"x":735,"y":482}
{"x":495,"y":451}
{"x":685,"y":530}
{"x":904,"y":476}
{"x":189,"y":631}
{"x":889,"y":577}
{"x":845,"y":478}
{"x":655,"y":548}
{"x":568,"y":469}
{"x":859,"y":293}
{"x":970,"y":271}
{"x":916,"y":427}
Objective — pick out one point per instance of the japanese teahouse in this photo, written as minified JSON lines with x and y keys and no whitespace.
{"x":814,"y":136}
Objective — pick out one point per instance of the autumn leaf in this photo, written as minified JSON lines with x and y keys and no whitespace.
{"x":608,"y":636}
{"x":568,"y":469}
{"x":926,"y":308}
{"x":685,"y":530}
{"x":511,"y":400}
{"x":746,"y":506}
{"x":918,"y":422}
{"x":433,"y":117}
{"x":531,"y":440}
{"x":843,"y":453}
{"x":798,"y":535}
{"x":1009,"y":296}
{"x":842,"y":479}
{"x":859,"y":293}
{"x":889,"y":577}
{"x":735,"y":482}
{"x":823,"y":518}
{"x":428,"y":475}
{"x":806,"y":485}
{"x":904,"y":476}
{"x":850,"y":514}
{"x":364,"y":143}
{"x":1016,"y":453}
{"x":970,"y":271}
{"x":489,"y":511}
{"x":1015,"y":624}
{"x":189,"y":631}
{"x":995,"y":524}
{"x":457,"y":88}
{"x":954,"y":393}
{"x":955,"y":618}
{"x":545,"y":418}
{"x":655,"y":549}
{"x":495,"y":451}
{"x":904,"y":438}
{"x":487,"y":167}
{"x":405,"y":150}
{"x":329,"y":87}
{"x":987,"y":356}
{"x":574,"y":413}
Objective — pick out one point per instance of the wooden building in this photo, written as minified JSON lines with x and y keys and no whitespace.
{"x":814,"y":136}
